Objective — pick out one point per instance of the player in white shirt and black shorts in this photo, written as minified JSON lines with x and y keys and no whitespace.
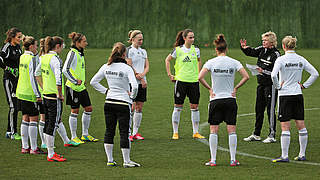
{"x":291,"y":105}
{"x":118,"y":102}
{"x":223,"y":105}
{"x":138,"y":59}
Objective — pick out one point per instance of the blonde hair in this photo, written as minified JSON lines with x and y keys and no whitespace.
{"x":117,"y":52}
{"x":28,"y":41}
{"x":132,"y":34}
{"x":289,"y":42}
{"x":272,"y":37}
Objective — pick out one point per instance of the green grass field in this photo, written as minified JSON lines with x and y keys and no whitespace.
{"x":161,"y":157}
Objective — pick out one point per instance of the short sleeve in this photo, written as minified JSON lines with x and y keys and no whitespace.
{"x":174,"y":53}
{"x":198,"y":52}
{"x":238,"y":65}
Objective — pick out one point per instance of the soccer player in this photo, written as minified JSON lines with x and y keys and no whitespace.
{"x":187,"y":68}
{"x":266,"y":92}
{"x":76,"y":92}
{"x":138,"y":59}
{"x":223,"y":105}
{"x":118,"y":101}
{"x":28,"y":94}
{"x":291,"y":103}
{"x":9,"y":62}
{"x":50,"y":70}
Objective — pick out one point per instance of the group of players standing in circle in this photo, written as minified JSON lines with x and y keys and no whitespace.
{"x":33,"y":84}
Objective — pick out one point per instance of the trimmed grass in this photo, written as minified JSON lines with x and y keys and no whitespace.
{"x":161,"y":157}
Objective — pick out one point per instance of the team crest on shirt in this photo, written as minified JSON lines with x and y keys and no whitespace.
{"x":192,"y":54}
{"x":121,"y":74}
{"x":300,"y":64}
{"x":231,"y":70}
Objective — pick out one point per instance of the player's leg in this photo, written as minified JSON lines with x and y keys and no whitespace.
{"x":179,"y":96}
{"x":111,"y":123}
{"x":193,"y":93}
{"x":86,"y":116}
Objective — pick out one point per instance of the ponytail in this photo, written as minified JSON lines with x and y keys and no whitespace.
{"x":42,"y":47}
{"x":117,"y":52}
{"x":75,"y":37}
{"x":289,"y":42}
{"x":51,"y":42}
{"x":220,"y":43}
{"x":180,"y":36}
{"x":28,"y":41}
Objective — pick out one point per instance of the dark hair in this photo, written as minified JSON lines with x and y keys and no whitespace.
{"x":220,"y":43}
{"x":42,"y":47}
{"x":11,"y":33}
{"x":117,"y":52}
{"x":75,"y":37}
{"x":51,"y":42}
{"x":180,"y":36}
{"x":28,"y":41}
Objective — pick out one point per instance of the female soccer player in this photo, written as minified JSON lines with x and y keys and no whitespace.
{"x":291,"y":105}
{"x":138,"y":58}
{"x":187,"y":68}
{"x":49,"y":69}
{"x":223,"y":105}
{"x":76,"y":92}
{"x":118,"y":101}
{"x":9,"y":62}
{"x":266,"y":93}
{"x":28,"y":94}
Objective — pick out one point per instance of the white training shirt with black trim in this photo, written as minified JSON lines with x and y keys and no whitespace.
{"x":71,"y":62}
{"x":138,"y":57}
{"x":290,"y":67}
{"x":56,"y":67}
{"x":186,"y":50}
{"x":223,"y":69}
{"x":118,"y":76}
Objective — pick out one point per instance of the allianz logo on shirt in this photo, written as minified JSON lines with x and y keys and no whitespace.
{"x":230,"y":71}
{"x":294,"y":65}
{"x":113,"y":73}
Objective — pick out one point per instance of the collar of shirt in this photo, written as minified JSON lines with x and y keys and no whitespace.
{"x":53,"y":52}
{"x":119,"y":60}
{"x":135,"y":48}
{"x":29,"y":52}
{"x":290,"y":51}
{"x":80,"y":50}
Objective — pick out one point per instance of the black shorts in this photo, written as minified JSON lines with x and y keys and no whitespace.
{"x":28,"y":108}
{"x":183,"y":89}
{"x":291,"y":107}
{"x":142,"y":94}
{"x":41,"y":108}
{"x":75,"y":99}
{"x":223,"y":110}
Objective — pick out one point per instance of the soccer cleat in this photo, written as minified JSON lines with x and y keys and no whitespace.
{"x":37,"y":151}
{"x":131,"y":138}
{"x":56,"y":157}
{"x":280,"y":159}
{"x":252,"y":138}
{"x":8,"y":135}
{"x":211,"y":163}
{"x":112,"y":163}
{"x":89,"y":138}
{"x":175,"y":136}
{"x":25,"y":151}
{"x":130,"y":164}
{"x":198,"y":136}
{"x":300,"y":158}
{"x":138,"y":136}
{"x":77,"y":140}
{"x":16,"y":136}
{"x":269,"y":140}
{"x":234,"y":163}
{"x":72,"y":143}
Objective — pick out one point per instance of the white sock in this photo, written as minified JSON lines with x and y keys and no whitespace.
{"x":86,"y":117}
{"x":176,"y":118}
{"x":25,"y":134}
{"x":33,"y":134}
{"x":233,"y":145}
{"x":41,"y":126}
{"x":126,"y":154}
{"x":137,"y":116}
{"x":195,"y":117}
{"x":63,"y":133}
{"x":73,"y":119}
{"x":50,"y":144}
{"x":213,"y":143}
{"x":108,"y":148}
{"x":303,"y":141}
{"x":285,"y":143}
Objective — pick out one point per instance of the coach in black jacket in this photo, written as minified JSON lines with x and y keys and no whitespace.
{"x":266,"y":92}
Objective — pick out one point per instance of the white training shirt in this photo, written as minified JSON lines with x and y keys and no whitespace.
{"x":56,"y":67}
{"x":290,"y":67}
{"x":223,"y":69}
{"x":138,"y":57}
{"x":186,"y":50}
{"x":118,"y":76}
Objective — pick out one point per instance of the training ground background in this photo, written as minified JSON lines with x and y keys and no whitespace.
{"x":161,"y":157}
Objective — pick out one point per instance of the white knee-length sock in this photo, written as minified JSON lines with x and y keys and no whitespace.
{"x":233,"y":146}
{"x":33,"y":134}
{"x":285,"y":143}
{"x":86,"y":117}
{"x":108,"y":148}
{"x":303,"y":141}
{"x":137,"y":116}
{"x":213,"y":143}
{"x":126,"y":154}
{"x":25,"y":134}
{"x":195,"y":117}
{"x":41,"y":126}
{"x":176,"y":118}
{"x":63,"y":133}
{"x":73,"y":118}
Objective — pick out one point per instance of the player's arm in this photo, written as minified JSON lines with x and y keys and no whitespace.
{"x":33,"y":81}
{"x":37,"y":74}
{"x":71,"y":62}
{"x":249,"y":51}
{"x":56,"y":67}
{"x":313,"y":75}
{"x":245,"y":78}
{"x":95,"y":81}
{"x":274,"y":75}
{"x":168,"y":59}
{"x":133,"y":83}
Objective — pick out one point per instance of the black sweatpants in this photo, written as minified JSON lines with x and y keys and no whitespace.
{"x":53,"y":111}
{"x":117,"y":113}
{"x":10,"y":86}
{"x":266,"y":97}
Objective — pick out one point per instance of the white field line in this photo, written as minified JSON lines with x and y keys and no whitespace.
{"x":205,"y":141}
